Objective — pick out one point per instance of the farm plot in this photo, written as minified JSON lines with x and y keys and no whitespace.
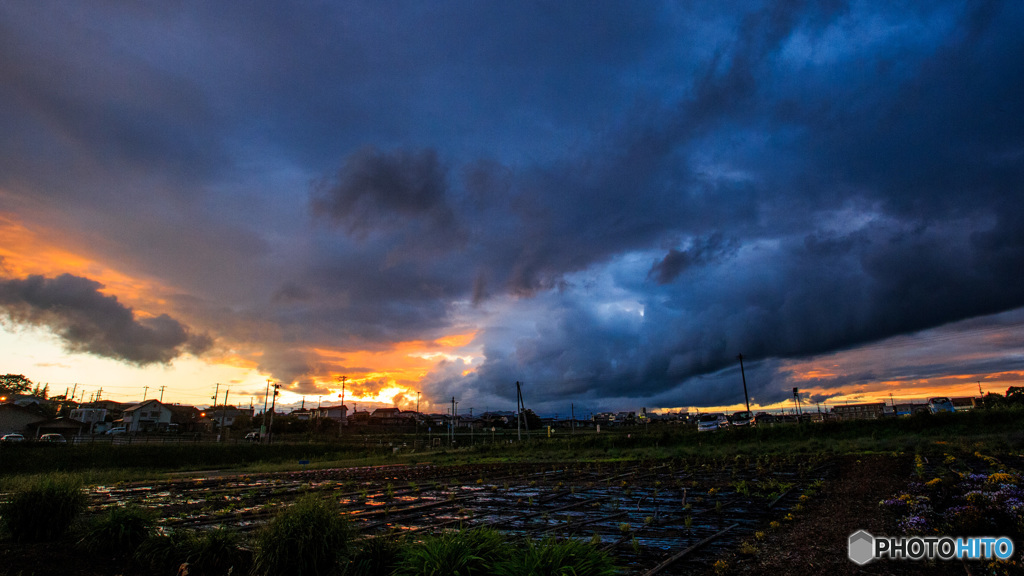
{"x":654,"y":517}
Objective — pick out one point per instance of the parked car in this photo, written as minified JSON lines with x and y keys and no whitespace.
{"x":741,"y":419}
{"x":53,"y":439}
{"x":253,"y":436}
{"x":941,"y":404}
{"x":117,"y":430}
{"x":707,"y":423}
{"x":723,"y":420}
{"x":12,"y":438}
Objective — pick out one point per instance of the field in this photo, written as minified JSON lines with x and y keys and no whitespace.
{"x":781,"y":499}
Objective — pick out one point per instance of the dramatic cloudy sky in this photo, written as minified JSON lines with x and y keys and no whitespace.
{"x":607,"y":201}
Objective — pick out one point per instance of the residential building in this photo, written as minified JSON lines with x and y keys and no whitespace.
{"x":149,"y":416}
{"x":17,"y":419}
{"x":338,"y":413}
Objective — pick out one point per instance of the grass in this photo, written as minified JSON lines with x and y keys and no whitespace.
{"x":121,"y":529}
{"x":552,"y":557}
{"x":309,"y":538}
{"x":376,"y":556}
{"x":466,"y":553}
{"x":212,"y":552}
{"x":44,"y":508}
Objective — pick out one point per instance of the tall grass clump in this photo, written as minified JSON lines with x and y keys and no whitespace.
{"x":309,"y":538}
{"x":121,"y":529}
{"x":44,"y":508}
{"x":465,"y":553}
{"x":376,"y":556}
{"x":551,"y":557}
{"x":211,"y":552}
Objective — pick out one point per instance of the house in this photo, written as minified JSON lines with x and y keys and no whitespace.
{"x":390,"y":417}
{"x":89,"y":416}
{"x":359,"y":417}
{"x":66,"y":427}
{"x":303,"y":414}
{"x":216,"y":416}
{"x":17,"y":419}
{"x":183,"y":417}
{"x":149,"y":416}
{"x":115,"y":410}
{"x":338,"y":413}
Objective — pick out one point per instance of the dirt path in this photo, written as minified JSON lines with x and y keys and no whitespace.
{"x":816,"y":541}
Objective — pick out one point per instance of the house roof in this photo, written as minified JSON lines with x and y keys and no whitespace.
{"x":59,"y":423}
{"x":147,"y":403}
{"x":29,"y":410}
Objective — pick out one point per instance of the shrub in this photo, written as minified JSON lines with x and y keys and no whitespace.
{"x":43,"y":509}
{"x":465,"y":553}
{"x":310,"y":537}
{"x":552,"y":557}
{"x":119,"y":529}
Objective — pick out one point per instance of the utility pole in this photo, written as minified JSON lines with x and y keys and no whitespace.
{"x":224,"y":411}
{"x":213,"y":413}
{"x":162,"y":394}
{"x":273,"y":404}
{"x":145,"y":390}
{"x":743,"y":375}
{"x":416,"y":437}
{"x":263,"y":430}
{"x":73,"y":388}
{"x":344,"y":411}
{"x":572,"y":418}
{"x":99,"y":394}
{"x":520,"y":408}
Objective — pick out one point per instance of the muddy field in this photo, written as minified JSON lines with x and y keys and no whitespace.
{"x":663,"y":517}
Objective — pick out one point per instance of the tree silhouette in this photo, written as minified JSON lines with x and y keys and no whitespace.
{"x":14,"y":384}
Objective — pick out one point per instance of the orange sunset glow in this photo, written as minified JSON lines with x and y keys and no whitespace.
{"x":30,"y":250}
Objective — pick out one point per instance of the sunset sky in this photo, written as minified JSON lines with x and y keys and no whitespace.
{"x":606,"y":201}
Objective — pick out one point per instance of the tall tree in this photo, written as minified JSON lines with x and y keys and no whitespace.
{"x":14,"y":384}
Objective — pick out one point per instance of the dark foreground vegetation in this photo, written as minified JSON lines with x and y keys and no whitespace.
{"x":664,"y":500}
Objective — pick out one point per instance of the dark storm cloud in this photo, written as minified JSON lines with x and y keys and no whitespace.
{"x":703,"y":251}
{"x":890,"y":205}
{"x":88,"y":321}
{"x":620,"y":196}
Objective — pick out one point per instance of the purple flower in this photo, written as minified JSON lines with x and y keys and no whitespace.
{"x":1013,"y":506}
{"x":914,"y":524}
